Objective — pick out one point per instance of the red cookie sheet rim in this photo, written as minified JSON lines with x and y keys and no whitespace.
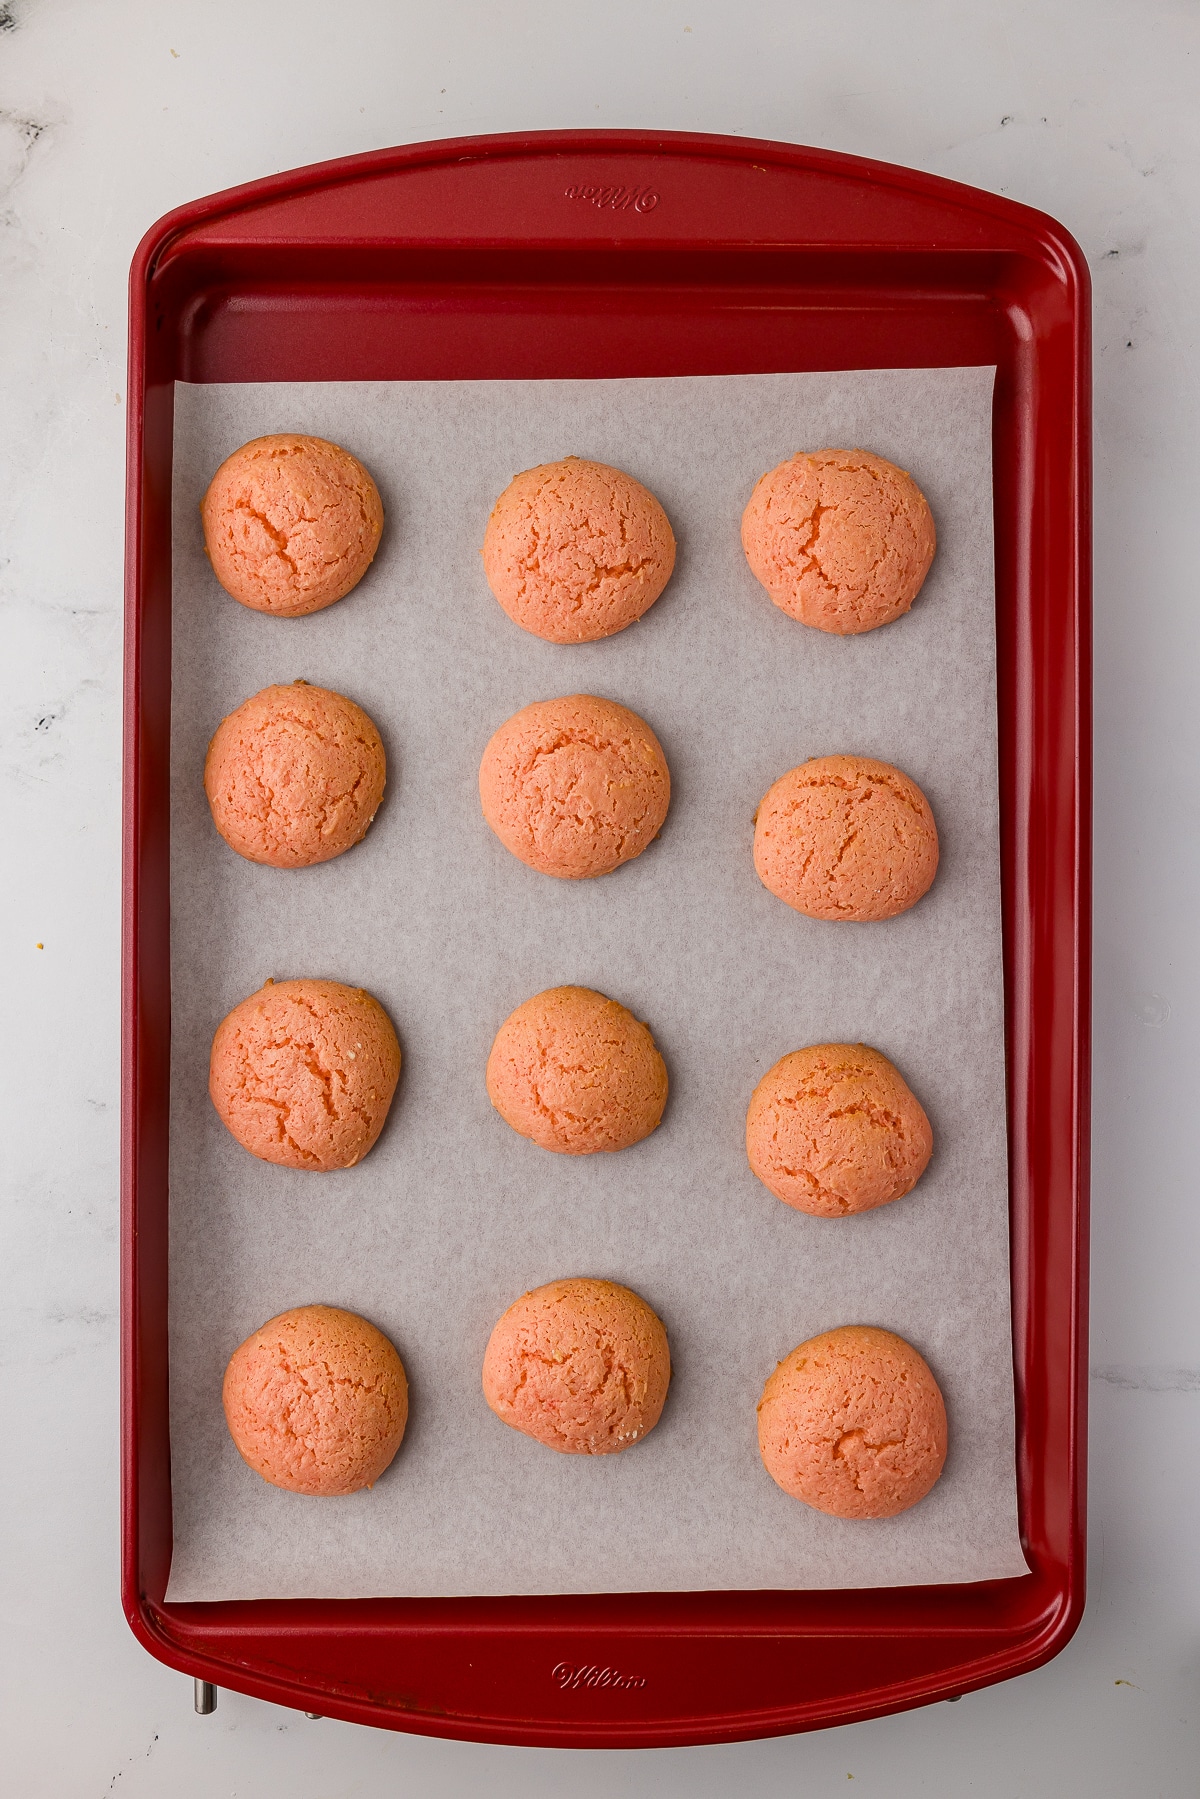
{"x":630,"y":253}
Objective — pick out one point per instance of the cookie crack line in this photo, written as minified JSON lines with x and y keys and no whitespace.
{"x":842,"y":849}
{"x":816,"y":1188}
{"x":859,"y":789}
{"x":812,"y":1093}
{"x":874,"y":1114}
{"x":355,"y":1382}
{"x":531,"y":564}
{"x":258,"y":1087}
{"x":623,"y":748}
{"x":556,"y":1116}
{"x":278,"y":538}
{"x":806,"y":559}
{"x":283,"y":1109}
{"x":309,"y":729}
{"x":875,"y":1447}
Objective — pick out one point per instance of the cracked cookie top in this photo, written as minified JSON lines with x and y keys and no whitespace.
{"x":294,"y":776}
{"x":580,"y":1365}
{"x":291,"y":523}
{"x":576,"y":1072}
{"x":840,"y":539}
{"x":835,"y":1129}
{"x":575,"y":787}
{"x":303,"y":1072}
{"x":853,"y":1423}
{"x":316,"y":1401}
{"x":846,"y":837}
{"x":575,"y":550}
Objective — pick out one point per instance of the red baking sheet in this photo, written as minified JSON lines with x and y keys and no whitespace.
{"x":629,"y":253}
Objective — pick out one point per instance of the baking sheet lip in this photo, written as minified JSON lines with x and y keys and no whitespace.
{"x":901,"y":368}
{"x":174,"y":1608}
{"x":183,"y":1613}
{"x":1039,"y":1643}
{"x":1060,"y":250}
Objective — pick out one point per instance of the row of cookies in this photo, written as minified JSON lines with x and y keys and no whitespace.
{"x":574,"y":788}
{"x":303,"y":1074}
{"x":574,"y":550}
{"x":851,"y":1423}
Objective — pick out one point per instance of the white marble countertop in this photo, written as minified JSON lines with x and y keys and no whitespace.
{"x":113,"y":111}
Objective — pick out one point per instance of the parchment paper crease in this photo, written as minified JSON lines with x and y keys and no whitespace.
{"x":452,"y":1216}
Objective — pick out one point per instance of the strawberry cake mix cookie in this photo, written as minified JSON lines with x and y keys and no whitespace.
{"x":291,"y":523}
{"x":840,"y":539}
{"x":853,"y":1423}
{"x":316,"y":1401}
{"x":580,"y":1365}
{"x":576,"y":1073}
{"x":575,"y":787}
{"x":845,"y":837}
{"x":303,"y":1072}
{"x":575,"y":550}
{"x":294,"y":776}
{"x":834,"y":1129}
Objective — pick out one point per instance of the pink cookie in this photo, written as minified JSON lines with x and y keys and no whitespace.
{"x":576,"y":1073}
{"x":316,"y":1401}
{"x":291,"y":523}
{"x":576,"y":550}
{"x":853,"y":1423}
{"x":840,"y":539}
{"x":575,"y":787}
{"x":581,"y":1365}
{"x":303,"y":1072}
{"x":294,"y":776}
{"x":834,"y":1129}
{"x":846,"y":837}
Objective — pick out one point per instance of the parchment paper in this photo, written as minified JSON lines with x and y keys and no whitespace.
{"x":453,"y":1216}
